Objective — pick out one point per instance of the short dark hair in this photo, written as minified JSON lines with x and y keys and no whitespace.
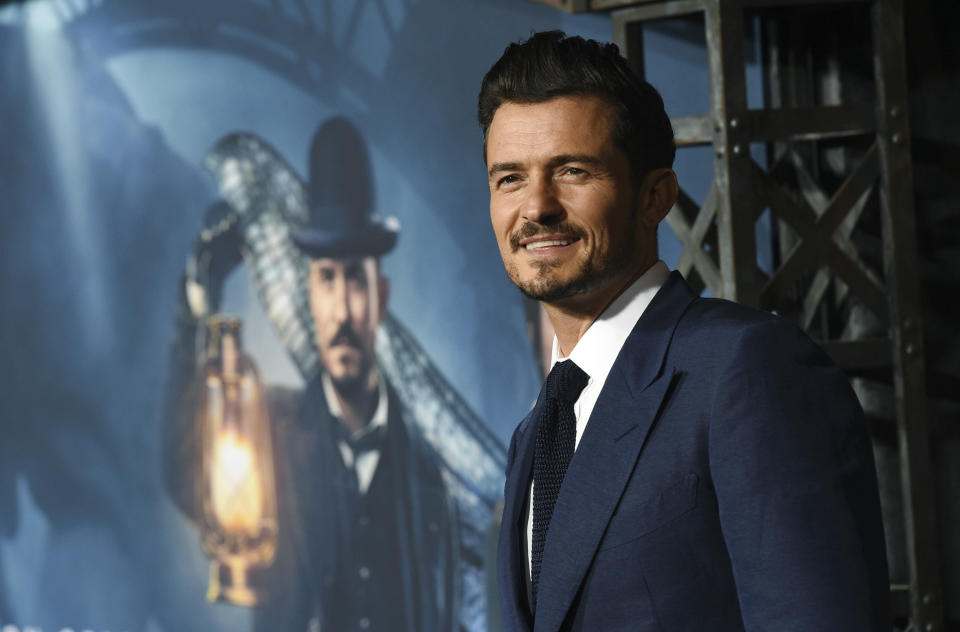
{"x":550,"y":64}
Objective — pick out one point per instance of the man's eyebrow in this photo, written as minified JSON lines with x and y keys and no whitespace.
{"x":498,"y":167}
{"x":587,"y":159}
{"x":556,"y":161}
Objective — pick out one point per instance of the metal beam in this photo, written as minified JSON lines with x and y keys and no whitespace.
{"x":741,"y":189}
{"x":868,"y":353}
{"x":900,"y":263}
{"x":650,"y":10}
{"x":813,"y":123}
{"x":731,"y":164}
{"x":659,"y":9}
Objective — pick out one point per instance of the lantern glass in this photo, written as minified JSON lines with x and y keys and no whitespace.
{"x":237,"y":482}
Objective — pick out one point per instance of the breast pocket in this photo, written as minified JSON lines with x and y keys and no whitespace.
{"x":638,"y":515}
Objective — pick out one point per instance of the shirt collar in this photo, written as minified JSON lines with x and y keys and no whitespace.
{"x":333,"y":404}
{"x":598,"y":348}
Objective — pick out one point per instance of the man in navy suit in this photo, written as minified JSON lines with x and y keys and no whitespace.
{"x":691,"y":464}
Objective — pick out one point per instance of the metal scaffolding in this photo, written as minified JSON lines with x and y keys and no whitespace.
{"x":820,"y":272}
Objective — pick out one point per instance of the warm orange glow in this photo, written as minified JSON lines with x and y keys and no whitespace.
{"x":236,"y":489}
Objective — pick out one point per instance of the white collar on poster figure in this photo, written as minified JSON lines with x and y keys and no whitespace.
{"x":365,"y":464}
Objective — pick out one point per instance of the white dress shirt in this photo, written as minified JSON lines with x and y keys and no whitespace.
{"x":366,"y":463}
{"x":597,"y":350}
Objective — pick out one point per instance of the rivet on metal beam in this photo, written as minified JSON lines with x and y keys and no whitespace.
{"x":897,"y":138}
{"x":734,"y":123}
{"x":719,"y":152}
{"x":896,"y":111}
{"x":910,"y":324}
{"x":737,"y":150}
{"x":930,"y":627}
{"x":911,"y":348}
{"x":927,"y":599}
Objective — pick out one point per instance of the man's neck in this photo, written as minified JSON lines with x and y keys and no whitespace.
{"x":571,"y":318}
{"x":358,"y":403}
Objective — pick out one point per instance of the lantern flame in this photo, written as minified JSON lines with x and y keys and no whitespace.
{"x":236,"y":486}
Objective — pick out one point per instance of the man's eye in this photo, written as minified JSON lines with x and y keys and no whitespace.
{"x":575,"y":171}
{"x":508,"y":179}
{"x":326,"y":275}
{"x":357,"y":277}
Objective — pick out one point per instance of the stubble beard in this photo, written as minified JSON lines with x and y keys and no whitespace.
{"x":590,"y":274}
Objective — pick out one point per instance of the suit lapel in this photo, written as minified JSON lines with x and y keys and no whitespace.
{"x":608,"y":451}
{"x":513,"y":569}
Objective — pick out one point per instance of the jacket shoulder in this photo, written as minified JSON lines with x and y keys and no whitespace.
{"x":726,"y":335}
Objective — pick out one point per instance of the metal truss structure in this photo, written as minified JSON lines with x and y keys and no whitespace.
{"x":845,"y":260}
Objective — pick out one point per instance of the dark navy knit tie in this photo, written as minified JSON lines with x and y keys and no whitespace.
{"x":556,"y":439}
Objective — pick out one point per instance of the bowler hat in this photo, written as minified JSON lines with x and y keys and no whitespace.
{"x":341,"y":220}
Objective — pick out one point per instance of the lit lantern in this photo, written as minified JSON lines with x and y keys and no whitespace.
{"x":237,"y":482}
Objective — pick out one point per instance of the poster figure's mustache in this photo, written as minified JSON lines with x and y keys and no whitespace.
{"x":532,"y":229}
{"x":346,"y":336}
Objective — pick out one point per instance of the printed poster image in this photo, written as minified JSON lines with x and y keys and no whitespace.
{"x":261,"y":357}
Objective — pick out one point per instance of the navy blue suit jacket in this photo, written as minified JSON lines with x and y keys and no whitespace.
{"x":725,"y":481}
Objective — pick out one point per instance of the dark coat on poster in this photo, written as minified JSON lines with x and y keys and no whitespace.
{"x":724,"y":482}
{"x":315,"y":574}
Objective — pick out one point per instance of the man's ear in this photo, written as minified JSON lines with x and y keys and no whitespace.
{"x":658,"y":194}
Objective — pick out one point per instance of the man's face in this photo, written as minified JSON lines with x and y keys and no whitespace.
{"x":562,"y":202}
{"x":347,"y":298}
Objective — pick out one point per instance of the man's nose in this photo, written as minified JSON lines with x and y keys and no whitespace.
{"x":541,"y":202}
{"x":341,"y":307}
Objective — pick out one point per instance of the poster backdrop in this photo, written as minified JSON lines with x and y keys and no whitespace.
{"x":117,"y":168}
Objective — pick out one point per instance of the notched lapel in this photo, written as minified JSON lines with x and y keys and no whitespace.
{"x":598,"y":474}
{"x":512,"y":573}
{"x":605,"y":458}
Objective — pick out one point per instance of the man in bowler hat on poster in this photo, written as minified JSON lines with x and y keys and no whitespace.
{"x":383,"y":533}
{"x":367,"y":529}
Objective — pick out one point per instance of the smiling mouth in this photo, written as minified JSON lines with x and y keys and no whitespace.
{"x":546,"y":244}
{"x":538,"y":245}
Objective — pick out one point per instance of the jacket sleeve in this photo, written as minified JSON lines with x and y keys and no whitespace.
{"x":180,"y":442}
{"x":792,"y":465}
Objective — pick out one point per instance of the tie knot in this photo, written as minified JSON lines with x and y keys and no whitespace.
{"x":371,"y":439}
{"x":565,"y":382}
